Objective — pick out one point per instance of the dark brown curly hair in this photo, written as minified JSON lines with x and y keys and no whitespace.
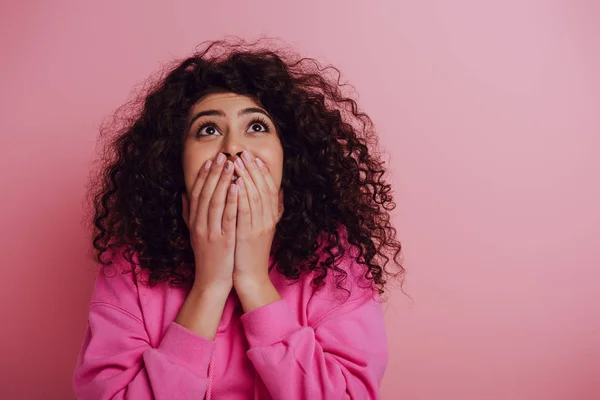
{"x":333,"y":178}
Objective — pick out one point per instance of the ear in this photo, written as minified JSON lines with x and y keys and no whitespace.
{"x":185,"y":208}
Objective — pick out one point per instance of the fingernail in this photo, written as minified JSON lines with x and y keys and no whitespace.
{"x":239,"y":163}
{"x":220,"y":158}
{"x":246,"y":156}
{"x":207,"y":164}
{"x":259,"y":162}
{"x":228,"y":165}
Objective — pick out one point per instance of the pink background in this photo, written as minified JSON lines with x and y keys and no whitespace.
{"x":489,"y":112}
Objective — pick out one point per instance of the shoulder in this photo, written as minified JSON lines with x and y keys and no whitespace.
{"x":344,"y":288}
{"x":346,"y":274}
{"x":117,"y":283}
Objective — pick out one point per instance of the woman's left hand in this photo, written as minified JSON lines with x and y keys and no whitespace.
{"x":260,"y":207}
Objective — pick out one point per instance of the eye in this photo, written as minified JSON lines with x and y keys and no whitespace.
{"x":207,"y":129}
{"x":258,"y":126}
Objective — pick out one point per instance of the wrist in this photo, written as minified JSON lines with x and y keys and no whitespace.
{"x":212,"y":290}
{"x":255,"y":291}
{"x":250,"y":282}
{"x":202,"y":310}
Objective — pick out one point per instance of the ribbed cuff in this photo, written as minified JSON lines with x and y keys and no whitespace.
{"x":269,"y":324}
{"x":186,"y":348}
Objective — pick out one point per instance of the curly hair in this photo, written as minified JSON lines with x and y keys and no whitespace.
{"x":334,"y":189}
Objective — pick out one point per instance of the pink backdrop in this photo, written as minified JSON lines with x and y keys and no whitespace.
{"x":489,"y":112}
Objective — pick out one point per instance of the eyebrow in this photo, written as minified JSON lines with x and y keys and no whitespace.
{"x":220,"y":113}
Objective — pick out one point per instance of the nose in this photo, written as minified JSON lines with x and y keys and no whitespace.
{"x":229,"y":157}
{"x":233,"y":145}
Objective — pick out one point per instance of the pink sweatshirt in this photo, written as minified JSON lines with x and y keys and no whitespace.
{"x":309,"y":345}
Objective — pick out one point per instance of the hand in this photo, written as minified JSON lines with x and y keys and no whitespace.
{"x":260,"y":206}
{"x":211,"y":219}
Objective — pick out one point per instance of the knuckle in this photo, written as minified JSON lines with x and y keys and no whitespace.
{"x":197,"y":232}
{"x":213,"y":236}
{"x":215,"y":204}
{"x":205,"y":195}
{"x":229,"y":218}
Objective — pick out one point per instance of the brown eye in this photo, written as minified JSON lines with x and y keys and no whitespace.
{"x":207,"y":130}
{"x":258,"y":127}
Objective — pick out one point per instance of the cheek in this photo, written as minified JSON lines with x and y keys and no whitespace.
{"x":275,"y":165}
{"x":192,"y":162}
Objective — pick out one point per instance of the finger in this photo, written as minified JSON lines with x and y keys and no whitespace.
{"x":271,"y":189}
{"x":244,"y":218}
{"x":216,"y":206}
{"x":209,"y":187}
{"x":230,"y":212}
{"x":196,"y":189}
{"x":248,"y":171}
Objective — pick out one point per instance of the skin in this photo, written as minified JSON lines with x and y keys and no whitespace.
{"x":233,"y":136}
{"x":231,"y":225}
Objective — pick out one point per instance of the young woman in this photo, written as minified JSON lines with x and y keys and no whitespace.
{"x":241,"y":227}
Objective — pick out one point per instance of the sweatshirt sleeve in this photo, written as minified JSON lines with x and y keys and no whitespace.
{"x":117,"y":361}
{"x":343,"y":355}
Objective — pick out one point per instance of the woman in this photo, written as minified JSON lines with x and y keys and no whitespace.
{"x":208,"y":286}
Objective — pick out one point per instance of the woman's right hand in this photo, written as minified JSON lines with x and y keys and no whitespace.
{"x":212,"y":223}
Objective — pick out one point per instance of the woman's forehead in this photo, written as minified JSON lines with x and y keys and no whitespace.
{"x":225,"y":101}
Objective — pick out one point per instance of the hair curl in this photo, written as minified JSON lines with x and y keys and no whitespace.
{"x":334,"y":190}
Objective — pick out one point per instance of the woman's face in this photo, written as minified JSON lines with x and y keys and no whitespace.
{"x":229,"y":123}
